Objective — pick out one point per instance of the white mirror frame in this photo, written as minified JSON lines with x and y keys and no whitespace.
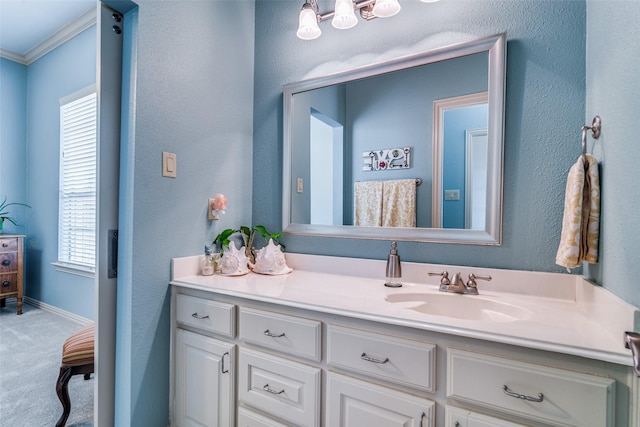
{"x":492,"y":235}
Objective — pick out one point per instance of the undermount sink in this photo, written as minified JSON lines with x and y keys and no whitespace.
{"x":466,"y":307}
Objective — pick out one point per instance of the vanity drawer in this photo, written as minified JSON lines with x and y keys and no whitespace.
{"x":248,"y":418}
{"x":568,"y":398}
{"x":288,"y":334}
{"x":8,"y":244}
{"x":8,"y":262}
{"x":212,"y":316}
{"x":399,"y":360}
{"x":281,"y":387}
{"x":8,"y":283}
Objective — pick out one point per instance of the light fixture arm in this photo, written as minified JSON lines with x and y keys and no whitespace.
{"x":323,"y":17}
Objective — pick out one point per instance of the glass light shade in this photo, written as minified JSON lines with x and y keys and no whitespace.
{"x":308,"y":28}
{"x":386,"y":8}
{"x":345,"y":16}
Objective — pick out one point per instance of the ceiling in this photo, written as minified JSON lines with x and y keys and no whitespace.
{"x":25,"y":24}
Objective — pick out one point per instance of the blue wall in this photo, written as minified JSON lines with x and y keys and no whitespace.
{"x":192,"y":94}
{"x":13,"y":138}
{"x":456,"y":123}
{"x":59,"y":73}
{"x":545,"y":84}
{"x":613,"y":92}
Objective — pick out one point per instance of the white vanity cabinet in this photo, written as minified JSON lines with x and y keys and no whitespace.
{"x":204,"y":381}
{"x":247,"y":360}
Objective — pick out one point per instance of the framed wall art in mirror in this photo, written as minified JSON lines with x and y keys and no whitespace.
{"x":407,"y":149}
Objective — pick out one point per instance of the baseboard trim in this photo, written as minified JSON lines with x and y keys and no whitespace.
{"x":60,"y":312}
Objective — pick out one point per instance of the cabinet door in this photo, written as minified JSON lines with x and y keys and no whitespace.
{"x":356,"y":403}
{"x":456,"y":417}
{"x":204,"y":381}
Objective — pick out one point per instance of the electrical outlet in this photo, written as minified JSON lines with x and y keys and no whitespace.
{"x":452,"y":194}
{"x":210,"y":210}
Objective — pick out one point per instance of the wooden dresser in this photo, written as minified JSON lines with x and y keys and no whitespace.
{"x":11,"y":268}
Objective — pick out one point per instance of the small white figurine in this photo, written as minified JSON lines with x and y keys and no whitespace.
{"x":271,"y":260}
{"x":234,"y":261}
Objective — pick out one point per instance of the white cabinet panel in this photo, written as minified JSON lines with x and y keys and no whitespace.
{"x":554,"y":396}
{"x":288,"y":334}
{"x":291,"y":390}
{"x":400,"y":360}
{"x":204,"y":381}
{"x":356,"y":403}
{"x":211,"y":316}
{"x":248,"y":418}
{"x":457,"y":417}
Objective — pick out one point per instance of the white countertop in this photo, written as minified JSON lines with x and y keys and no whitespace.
{"x":557,"y":312}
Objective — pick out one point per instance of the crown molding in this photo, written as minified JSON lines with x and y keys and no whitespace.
{"x":60,"y":37}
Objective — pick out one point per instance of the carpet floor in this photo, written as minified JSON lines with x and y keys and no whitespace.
{"x":30,"y":352}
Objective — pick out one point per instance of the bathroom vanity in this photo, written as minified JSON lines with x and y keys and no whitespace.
{"x":329,"y":345}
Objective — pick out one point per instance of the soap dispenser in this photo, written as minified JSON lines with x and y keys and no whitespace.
{"x":394,"y":271}
{"x":208,"y":267}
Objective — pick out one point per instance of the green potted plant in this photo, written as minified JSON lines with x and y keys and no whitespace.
{"x":248,"y":237}
{"x":4,"y":212}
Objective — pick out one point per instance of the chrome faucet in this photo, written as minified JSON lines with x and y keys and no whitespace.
{"x":457,"y":285}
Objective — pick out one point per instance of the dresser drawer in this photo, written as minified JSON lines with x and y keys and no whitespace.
{"x":248,"y":418}
{"x":287,"y":389}
{"x":8,"y":262}
{"x":288,"y":334}
{"x":8,"y":244}
{"x":400,"y":360}
{"x":550,"y":395}
{"x":8,"y":283}
{"x":212,"y":316}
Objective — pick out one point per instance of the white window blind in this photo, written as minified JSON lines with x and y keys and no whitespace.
{"x":77,"y":197}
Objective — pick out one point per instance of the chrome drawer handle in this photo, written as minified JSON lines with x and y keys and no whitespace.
{"x":506,"y":390}
{"x":6,"y":262}
{"x":6,"y":284}
{"x":197,"y":316}
{"x":272,"y":335}
{"x":373,"y":359}
{"x":272,"y":391}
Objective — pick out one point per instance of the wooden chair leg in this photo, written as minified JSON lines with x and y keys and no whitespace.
{"x":63,"y":394}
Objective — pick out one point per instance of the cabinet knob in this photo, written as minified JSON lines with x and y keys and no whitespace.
{"x":6,"y":262}
{"x":6,"y":284}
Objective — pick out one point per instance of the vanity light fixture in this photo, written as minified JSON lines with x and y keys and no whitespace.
{"x":344,"y":16}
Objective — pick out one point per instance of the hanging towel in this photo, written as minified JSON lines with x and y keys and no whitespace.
{"x":581,"y":221}
{"x":367,"y":200}
{"x":399,"y":203}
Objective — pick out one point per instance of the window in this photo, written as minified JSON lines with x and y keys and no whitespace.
{"x":77,"y":192}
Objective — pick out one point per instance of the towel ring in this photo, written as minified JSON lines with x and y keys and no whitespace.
{"x":595,"y":127}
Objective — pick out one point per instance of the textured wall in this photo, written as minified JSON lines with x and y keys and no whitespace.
{"x":13,"y":139}
{"x":545,"y":102}
{"x":192,"y":87}
{"x":613,"y":92}
{"x":61,"y":72}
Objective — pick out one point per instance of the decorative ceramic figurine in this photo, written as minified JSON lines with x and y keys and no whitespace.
{"x":270,"y":260}
{"x":234,"y":261}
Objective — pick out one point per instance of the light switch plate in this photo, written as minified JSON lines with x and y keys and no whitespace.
{"x":300,"y":186}
{"x":452,"y":194}
{"x":169,"y":164}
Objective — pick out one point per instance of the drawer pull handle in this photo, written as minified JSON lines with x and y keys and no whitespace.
{"x":197,"y":316}
{"x":506,"y":390}
{"x":422,"y":418}
{"x":5,"y":245}
{"x":272,"y":335}
{"x":222,"y":369}
{"x":6,"y":262}
{"x":6,"y":284}
{"x":272,"y":391}
{"x":373,"y":359}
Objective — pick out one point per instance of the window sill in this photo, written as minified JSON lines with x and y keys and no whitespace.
{"x":74,"y":269}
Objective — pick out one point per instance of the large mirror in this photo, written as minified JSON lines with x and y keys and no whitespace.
{"x":408,"y":149}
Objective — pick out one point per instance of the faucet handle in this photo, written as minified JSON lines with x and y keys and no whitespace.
{"x":444,"y":281}
{"x":472,"y":286}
